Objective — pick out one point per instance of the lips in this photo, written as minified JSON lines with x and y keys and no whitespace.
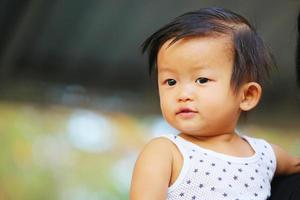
{"x":186,"y":112}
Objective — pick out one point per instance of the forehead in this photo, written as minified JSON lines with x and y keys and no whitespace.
{"x":196,"y":51}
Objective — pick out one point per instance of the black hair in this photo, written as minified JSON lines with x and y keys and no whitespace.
{"x":252,"y":59}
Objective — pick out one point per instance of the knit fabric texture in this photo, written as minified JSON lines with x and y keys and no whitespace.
{"x":210,"y":175}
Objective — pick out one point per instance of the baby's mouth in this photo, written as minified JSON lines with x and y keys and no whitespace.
{"x":185,"y":111}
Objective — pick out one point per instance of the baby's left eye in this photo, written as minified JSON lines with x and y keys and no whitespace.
{"x":202,"y":80}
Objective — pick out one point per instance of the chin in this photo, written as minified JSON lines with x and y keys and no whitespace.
{"x":189,"y":130}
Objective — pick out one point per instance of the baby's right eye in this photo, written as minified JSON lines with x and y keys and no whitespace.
{"x":171,"y":82}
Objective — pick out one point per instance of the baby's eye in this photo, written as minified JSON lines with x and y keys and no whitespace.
{"x":202,"y":80}
{"x":171,"y":82}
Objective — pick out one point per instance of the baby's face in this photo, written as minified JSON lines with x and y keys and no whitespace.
{"x":194,"y":85}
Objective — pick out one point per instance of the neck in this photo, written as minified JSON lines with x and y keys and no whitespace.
{"x":215,"y":138}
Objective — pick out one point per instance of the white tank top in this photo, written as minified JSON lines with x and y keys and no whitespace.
{"x":209,"y":175}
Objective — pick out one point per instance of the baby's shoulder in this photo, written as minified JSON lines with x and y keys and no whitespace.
{"x":156,"y":157}
{"x":261,"y":145}
{"x":158,"y":149}
{"x":256,"y":140}
{"x":161,"y":143}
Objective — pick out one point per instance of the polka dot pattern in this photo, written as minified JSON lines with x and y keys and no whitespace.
{"x":209,"y":175}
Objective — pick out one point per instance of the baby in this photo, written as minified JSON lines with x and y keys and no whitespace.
{"x":210,"y":66}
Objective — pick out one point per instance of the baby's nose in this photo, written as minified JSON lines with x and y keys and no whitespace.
{"x":184,"y":99}
{"x":185,"y":94}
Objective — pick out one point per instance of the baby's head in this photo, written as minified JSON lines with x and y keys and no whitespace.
{"x":210,"y":66}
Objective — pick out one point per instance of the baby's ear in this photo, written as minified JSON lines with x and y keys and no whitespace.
{"x":250,"y":93}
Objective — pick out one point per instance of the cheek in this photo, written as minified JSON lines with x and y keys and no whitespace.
{"x":216,"y":100}
{"x":166,"y":105}
{"x":164,"y":101}
{"x":212,"y":96}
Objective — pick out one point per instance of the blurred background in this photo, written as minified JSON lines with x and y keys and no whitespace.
{"x":76,"y":102}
